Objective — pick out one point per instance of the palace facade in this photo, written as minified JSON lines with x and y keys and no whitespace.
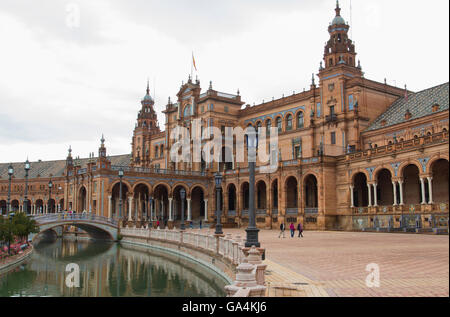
{"x":353,"y":154}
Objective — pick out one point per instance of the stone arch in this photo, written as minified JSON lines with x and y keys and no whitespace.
{"x":439,"y":172}
{"x":277,"y":119}
{"x":291,"y":190}
{"x":232,"y":197}
{"x":311,"y":191}
{"x":433,"y":160}
{"x":141,"y":194}
{"x":288,"y":115}
{"x":3,"y":207}
{"x":360,"y":190}
{"x":261,"y":195}
{"x":197,"y":196}
{"x":381,"y":168}
{"x":167,"y":186}
{"x":82,"y":199}
{"x":177,"y":201}
{"x":407,"y":163}
{"x":15,"y":205}
{"x":161,"y":194}
{"x":274,"y":190}
{"x":115,"y":200}
{"x":385,"y":195}
{"x":114,"y":183}
{"x":411,"y":184}
{"x":359,"y":172}
{"x":143,"y":183}
{"x":245,"y":195}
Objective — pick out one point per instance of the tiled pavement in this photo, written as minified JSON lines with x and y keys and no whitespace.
{"x":334,"y":264}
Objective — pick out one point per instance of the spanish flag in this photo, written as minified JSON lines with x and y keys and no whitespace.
{"x":193,"y":61}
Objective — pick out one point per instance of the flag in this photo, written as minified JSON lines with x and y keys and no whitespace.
{"x":193,"y":61}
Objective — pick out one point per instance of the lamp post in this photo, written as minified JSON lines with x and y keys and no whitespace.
{"x":50,"y":185}
{"x":183,"y":197}
{"x":25,"y":199}
{"x":151,"y":208}
{"x":120,"y":192}
{"x":252,"y":230}
{"x":218,"y":180}
{"x":10,"y":174}
{"x":11,"y":216}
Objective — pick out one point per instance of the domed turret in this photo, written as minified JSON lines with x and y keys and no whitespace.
{"x":338,"y":20}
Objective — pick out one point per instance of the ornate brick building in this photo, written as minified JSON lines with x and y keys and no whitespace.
{"x":353,"y":154}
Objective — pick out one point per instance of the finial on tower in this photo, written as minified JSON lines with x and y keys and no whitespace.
{"x":148,"y":86}
{"x":338,"y":9}
{"x":102,"y":139}
{"x":313,"y":80}
{"x":210,"y":85}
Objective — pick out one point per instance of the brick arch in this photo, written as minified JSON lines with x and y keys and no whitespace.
{"x":352,"y":178}
{"x":434,"y":159}
{"x":124,"y":182}
{"x":380,"y":168}
{"x":407,"y":163}
{"x":309,"y":174}
{"x":180,"y":184}
{"x":285,"y":118}
{"x":149,"y":186}
{"x":202,"y":187}
{"x":167,"y":186}
{"x":296,"y":116}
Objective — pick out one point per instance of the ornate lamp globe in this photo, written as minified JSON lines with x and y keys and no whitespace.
{"x":10,"y":170}
{"x":121,"y":172}
{"x":218,"y":180}
{"x":50,"y":184}
{"x":182,"y":193}
{"x":27,"y":166}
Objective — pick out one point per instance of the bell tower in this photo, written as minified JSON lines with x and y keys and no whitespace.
{"x":146,"y":127}
{"x":339,"y":50}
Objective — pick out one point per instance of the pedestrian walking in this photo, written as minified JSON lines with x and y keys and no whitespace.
{"x":282,"y":229}
{"x":300,"y":230}
{"x":201,"y":223}
{"x":292,"y":227}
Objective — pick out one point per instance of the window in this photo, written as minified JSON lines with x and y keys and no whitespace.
{"x":258,"y":126}
{"x":202,"y":109}
{"x":333,"y":138}
{"x":279,"y":124}
{"x":211,"y":107}
{"x":187,"y":111}
{"x":226,"y":109}
{"x":350,"y":103}
{"x":156,"y":151}
{"x":319,"y":110}
{"x":268,"y":126}
{"x":289,"y":123}
{"x":162,"y":151}
{"x":300,"y":121}
{"x":298,"y":153}
{"x":332,"y":111}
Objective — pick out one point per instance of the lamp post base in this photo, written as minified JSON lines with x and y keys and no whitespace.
{"x":252,"y":238}
{"x":219,"y":230}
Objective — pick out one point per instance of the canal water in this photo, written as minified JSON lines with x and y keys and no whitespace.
{"x":109,"y":270}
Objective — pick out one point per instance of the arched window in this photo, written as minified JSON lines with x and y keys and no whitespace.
{"x":279,"y":125}
{"x":289,"y":122}
{"x":156,"y":151}
{"x":162,"y":151}
{"x":187,"y":111}
{"x":300,"y":120}
{"x":268,"y":126}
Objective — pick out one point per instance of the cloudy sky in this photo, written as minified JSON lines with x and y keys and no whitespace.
{"x":72,"y":70}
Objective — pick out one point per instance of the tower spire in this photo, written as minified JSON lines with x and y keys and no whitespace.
{"x":148,"y":87}
{"x":338,"y":9}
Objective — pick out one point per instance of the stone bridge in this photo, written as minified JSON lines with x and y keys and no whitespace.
{"x":97,"y":227}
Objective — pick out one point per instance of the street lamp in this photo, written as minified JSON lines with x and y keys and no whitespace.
{"x":50,"y":185}
{"x":25,"y":199}
{"x":150,"y":200}
{"x":218,"y":180}
{"x":183,"y":197}
{"x":11,"y":216}
{"x":252,"y":230}
{"x":120,"y":192}
{"x":10,"y":174}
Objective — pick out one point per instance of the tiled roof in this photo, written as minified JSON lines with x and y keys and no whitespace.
{"x":419,"y":104}
{"x":55,"y":168}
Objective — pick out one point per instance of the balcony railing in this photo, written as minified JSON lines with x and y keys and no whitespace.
{"x":292,"y":211}
{"x":158,"y":171}
{"x":311,"y":211}
{"x":331,"y":118}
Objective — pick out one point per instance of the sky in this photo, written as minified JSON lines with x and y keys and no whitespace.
{"x":71,"y":71}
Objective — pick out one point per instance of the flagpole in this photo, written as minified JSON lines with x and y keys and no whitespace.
{"x":192,"y":65}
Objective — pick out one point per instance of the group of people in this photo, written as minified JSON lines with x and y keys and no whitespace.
{"x":292,"y":228}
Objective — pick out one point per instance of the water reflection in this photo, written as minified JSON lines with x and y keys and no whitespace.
{"x":109,"y":270}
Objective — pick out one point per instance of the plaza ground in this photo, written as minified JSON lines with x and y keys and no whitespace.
{"x":334,"y":264}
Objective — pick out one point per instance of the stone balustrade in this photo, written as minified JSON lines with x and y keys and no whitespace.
{"x":245,"y":263}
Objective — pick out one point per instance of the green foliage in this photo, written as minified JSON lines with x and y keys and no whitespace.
{"x":20,"y":226}
{"x":119,"y":237}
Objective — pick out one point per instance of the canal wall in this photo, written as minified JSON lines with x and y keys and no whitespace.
{"x":222,"y":254}
{"x":16,"y":260}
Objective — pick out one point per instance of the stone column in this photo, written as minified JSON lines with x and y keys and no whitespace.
{"x":430,"y":189}
{"x":109,"y":207}
{"x":401,"y":192}
{"x":206,"y":210}
{"x":422,"y":186}
{"x":352,"y":199}
{"x":370,"y":194}
{"x":170,"y":209}
{"x":151,"y":211}
{"x":375,"y":195}
{"x":130,"y":207}
{"x":394,"y":188}
{"x":189,"y":216}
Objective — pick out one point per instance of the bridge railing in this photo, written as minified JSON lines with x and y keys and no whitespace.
{"x":228,"y":247}
{"x":41,"y":219}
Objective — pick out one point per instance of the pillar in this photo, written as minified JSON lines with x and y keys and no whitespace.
{"x":109,"y":207}
{"x":352,"y":199}
{"x":170,"y":209}
{"x":151,"y":211}
{"x":189,"y":216}
{"x":206,"y":210}
{"x":394,"y":188}
{"x":130,"y":206}
{"x":430,"y":189}
{"x":422,"y":186}
{"x":401,"y":192}
{"x":370,"y":194}
{"x":375,"y":194}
